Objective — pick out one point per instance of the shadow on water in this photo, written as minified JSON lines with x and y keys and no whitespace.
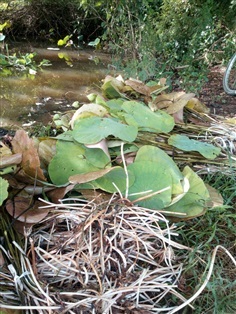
{"x":71,"y":77}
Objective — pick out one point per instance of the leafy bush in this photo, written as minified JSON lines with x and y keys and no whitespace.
{"x":170,"y":37}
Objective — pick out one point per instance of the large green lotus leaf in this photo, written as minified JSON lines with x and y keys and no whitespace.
{"x":70,"y":159}
{"x":139,"y":115}
{"x":114,"y":105}
{"x":93,"y":130}
{"x":3,"y":190}
{"x":150,"y":176}
{"x":163,"y":161}
{"x":97,"y":157}
{"x":194,"y":202}
{"x":115,"y":178}
{"x":66,"y":136}
{"x":182,"y":142}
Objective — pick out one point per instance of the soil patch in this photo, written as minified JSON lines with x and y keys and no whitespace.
{"x":212,"y":94}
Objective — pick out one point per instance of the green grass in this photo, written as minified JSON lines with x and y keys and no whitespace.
{"x":216,"y":227}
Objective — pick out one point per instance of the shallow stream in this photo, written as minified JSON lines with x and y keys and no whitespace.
{"x":26,"y":98}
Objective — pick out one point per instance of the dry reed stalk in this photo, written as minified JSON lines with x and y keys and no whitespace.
{"x":108,"y":258}
{"x":220,"y":134}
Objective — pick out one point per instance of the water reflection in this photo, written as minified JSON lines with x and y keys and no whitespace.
{"x":72,"y":76}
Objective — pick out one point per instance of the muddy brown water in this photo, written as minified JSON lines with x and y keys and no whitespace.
{"x":26,"y":99}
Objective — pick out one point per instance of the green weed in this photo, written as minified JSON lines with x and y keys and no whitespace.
{"x":216,"y":227}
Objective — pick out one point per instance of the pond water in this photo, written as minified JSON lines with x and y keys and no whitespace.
{"x":72,"y":76}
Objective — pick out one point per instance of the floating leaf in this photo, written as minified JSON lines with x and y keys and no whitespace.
{"x":114,"y":105}
{"x":216,"y":198}
{"x":139,"y":115}
{"x":3,"y":190}
{"x":8,"y":169}
{"x":94,"y":43}
{"x":182,"y":142}
{"x":46,"y":150}
{"x":97,"y":156}
{"x":13,"y":159}
{"x":165,"y":100}
{"x":93,"y":130}
{"x":194,"y":202}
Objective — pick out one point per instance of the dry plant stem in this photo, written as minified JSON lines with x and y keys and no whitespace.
{"x":108,"y":258}
{"x":207,"y":278}
{"x":110,"y":244}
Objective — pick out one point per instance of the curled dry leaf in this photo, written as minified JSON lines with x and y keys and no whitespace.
{"x":96,"y":196}
{"x":138,"y":86}
{"x":30,"y":164}
{"x":26,"y":210}
{"x":197,"y":105}
{"x":46,"y":150}
{"x":58,"y":194}
{"x":88,"y":110}
{"x":90,"y":176}
{"x":179,"y":103}
{"x":10,"y":160}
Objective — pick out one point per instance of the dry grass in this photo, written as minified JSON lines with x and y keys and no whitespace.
{"x":88,"y":258}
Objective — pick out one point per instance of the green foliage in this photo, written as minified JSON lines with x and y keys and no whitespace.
{"x":203,"y":234}
{"x":94,"y":129}
{"x":152,"y":180}
{"x":77,"y":162}
{"x":176,"y":39}
{"x":216,"y":227}
{"x":21,"y":62}
{"x":3,"y":190}
{"x":183,"y":142}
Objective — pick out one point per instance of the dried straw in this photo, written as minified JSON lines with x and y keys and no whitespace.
{"x":89,"y":258}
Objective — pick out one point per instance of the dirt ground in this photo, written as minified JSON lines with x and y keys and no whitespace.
{"x":213,"y":95}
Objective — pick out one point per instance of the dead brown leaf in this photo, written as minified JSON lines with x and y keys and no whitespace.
{"x":138,"y":86}
{"x":46,"y":150}
{"x":59,"y":193}
{"x":197,"y":105}
{"x":10,"y":160}
{"x":30,"y":164}
{"x":90,"y":176}
{"x":179,"y":103}
{"x":26,"y":210}
{"x":97,"y":196}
